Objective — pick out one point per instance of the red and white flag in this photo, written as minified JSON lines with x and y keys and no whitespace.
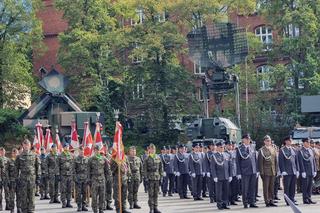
{"x":36,"y":144}
{"x":118,"y":148}
{"x":58,"y":142}
{"x":48,"y":142}
{"x":87,"y":140}
{"x":74,"y":137}
{"x":97,"y":135}
{"x":39,"y":133}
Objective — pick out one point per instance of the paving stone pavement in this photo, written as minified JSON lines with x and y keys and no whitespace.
{"x":176,"y":205}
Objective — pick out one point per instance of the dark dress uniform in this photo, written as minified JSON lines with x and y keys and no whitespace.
{"x":220,"y":169}
{"x":234,"y":184}
{"x":289,"y":169}
{"x":165,"y":159}
{"x":182,"y":172}
{"x":195,"y":165}
{"x":210,"y":183}
{"x":307,"y":167}
{"x":247,"y":171}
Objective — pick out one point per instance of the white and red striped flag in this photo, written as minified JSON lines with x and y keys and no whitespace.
{"x":74,"y":145}
{"x":87,"y":140}
{"x":39,"y":134}
{"x":97,"y":135}
{"x":48,"y":141}
{"x":58,"y":142}
{"x":36,"y":144}
{"x":118,"y":148}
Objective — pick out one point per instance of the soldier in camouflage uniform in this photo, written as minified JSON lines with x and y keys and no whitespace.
{"x":109,"y":183}
{"x":34,"y":150}
{"x":3,"y":177}
{"x":153,"y":171}
{"x":53,"y":173}
{"x":125,"y":175}
{"x":80,"y":179}
{"x":98,"y":170}
{"x":28,"y":170}
{"x":18,"y":192}
{"x":12,"y":175}
{"x":136,"y":178}
{"x":65,"y":164}
{"x":44,"y":175}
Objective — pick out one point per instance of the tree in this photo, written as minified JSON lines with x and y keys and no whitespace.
{"x":20,"y":32}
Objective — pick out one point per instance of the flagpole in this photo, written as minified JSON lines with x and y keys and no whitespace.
{"x":116,"y":115}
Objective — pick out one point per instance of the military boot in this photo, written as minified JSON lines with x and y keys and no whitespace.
{"x":64,"y":204}
{"x":56,"y":200}
{"x":84,"y":209}
{"x":101,"y":211}
{"x":136,"y":206}
{"x":1,"y":207}
{"x":7,"y":208}
{"x":79,"y":209}
{"x":109,"y":207}
{"x":131,"y":205}
{"x":11,"y":211}
{"x":51,"y":200}
{"x":19,"y":210}
{"x":125,"y":211}
{"x":46,"y":197}
{"x":69,"y":204}
{"x":156,"y":210}
{"x":41,"y":197}
{"x":151,"y":210}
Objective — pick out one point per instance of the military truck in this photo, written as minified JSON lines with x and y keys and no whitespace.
{"x":299,"y":133}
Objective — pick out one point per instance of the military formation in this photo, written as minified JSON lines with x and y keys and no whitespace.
{"x":222,"y":171}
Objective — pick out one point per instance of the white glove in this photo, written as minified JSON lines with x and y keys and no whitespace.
{"x":193,"y":175}
{"x":178,"y":174}
{"x":215,"y":180}
{"x":303,"y":175}
{"x":239,"y":177}
{"x":297,"y":174}
{"x":208,"y":174}
{"x":203,"y":174}
{"x":164,"y":174}
{"x":230,"y":179}
{"x":175,"y":173}
{"x":284,"y":173}
{"x":258,"y":173}
{"x":314,"y":174}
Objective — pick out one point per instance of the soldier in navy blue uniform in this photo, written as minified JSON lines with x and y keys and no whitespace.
{"x":308,"y":170}
{"x":247,"y":172}
{"x":203,"y":151}
{"x":221,"y":170}
{"x":167,"y":169}
{"x":173,"y":183}
{"x":182,"y":171}
{"x":234,"y":184}
{"x":207,"y":170}
{"x":289,"y":168}
{"x":195,"y":166}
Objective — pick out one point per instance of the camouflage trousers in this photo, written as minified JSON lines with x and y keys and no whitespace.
{"x":66,"y":188}
{"x":44,"y":184}
{"x":97,"y":194}
{"x":124,"y":191}
{"x":4,"y":187}
{"x":153,"y":192}
{"x":12,"y":186}
{"x":53,"y":187}
{"x":81,"y":193}
{"x":27,"y":187}
{"x":109,"y":190}
{"x":133,"y":187}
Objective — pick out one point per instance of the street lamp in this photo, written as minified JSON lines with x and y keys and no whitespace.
{"x":116,"y":113}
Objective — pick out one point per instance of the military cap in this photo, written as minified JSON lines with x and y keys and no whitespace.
{"x":173,"y":147}
{"x":305,"y":140}
{"x":311,"y":141}
{"x":228,"y":142}
{"x":201,"y":145}
{"x":132,"y":147}
{"x":195,"y":145}
{"x":65,"y":145}
{"x":53,"y":145}
{"x":26,"y":141}
{"x":267,"y":137}
{"x":287,"y":138}
{"x":246,"y":136}
{"x":180,"y":146}
{"x":164,"y":148}
{"x":220,"y":143}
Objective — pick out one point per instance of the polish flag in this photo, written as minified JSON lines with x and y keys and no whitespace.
{"x":87,"y":140}
{"x":48,"y":142}
{"x":97,"y":135}
{"x":36,"y":144}
{"x":74,"y":137}
{"x":118,"y":147}
{"x":39,"y":134}
{"x":58,"y":142}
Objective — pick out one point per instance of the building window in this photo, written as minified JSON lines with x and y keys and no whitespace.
{"x":140,"y":18}
{"x":200,"y":94}
{"x":138,"y":91}
{"x":291,"y":31}
{"x":294,"y":74}
{"x":264,"y":78}
{"x":137,"y":59}
{"x":264,"y":33}
{"x":161,"y":17}
{"x":197,"y":69}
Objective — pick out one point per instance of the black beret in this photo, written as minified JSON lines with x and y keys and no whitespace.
{"x":246,"y":136}
{"x":164,"y":148}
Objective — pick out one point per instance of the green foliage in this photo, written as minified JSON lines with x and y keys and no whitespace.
{"x":20,"y":31}
{"x":11,"y":129}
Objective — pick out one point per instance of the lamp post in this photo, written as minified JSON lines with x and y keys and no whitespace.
{"x":116,"y":113}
